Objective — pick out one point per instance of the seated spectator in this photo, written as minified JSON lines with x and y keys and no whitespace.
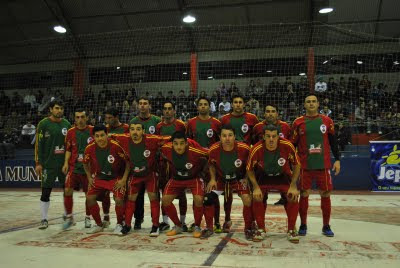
{"x":184,"y":114}
{"x":320,"y":87}
{"x":326,"y":111}
{"x":221,"y":111}
{"x":30,"y":100}
{"x":253,"y":105}
{"x":373,"y":121}
{"x":28,"y":133}
{"x":225,"y":104}
{"x":222,"y":90}
{"x":343,"y":136}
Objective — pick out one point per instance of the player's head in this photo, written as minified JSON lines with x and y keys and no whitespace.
{"x":136,"y":130}
{"x":203,"y":106}
{"x":237,"y":104}
{"x":271,"y":136}
{"x":271,"y":113}
{"x":56,"y":107}
{"x":100,"y":135}
{"x":112,"y":117}
{"x":179,"y":142}
{"x":311,"y":104}
{"x":168,"y":110}
{"x":80,"y":118}
{"x":227,"y":135}
{"x":144,"y":105}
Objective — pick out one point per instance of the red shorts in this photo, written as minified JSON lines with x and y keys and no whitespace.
{"x":75,"y":181}
{"x":282,"y":188}
{"x":175,"y":187}
{"x":235,"y":186}
{"x":150,"y":182}
{"x":101,"y":186}
{"x":322,"y":177}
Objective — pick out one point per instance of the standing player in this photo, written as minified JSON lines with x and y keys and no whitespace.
{"x":76,"y":141}
{"x":184,"y":163}
{"x":314,"y":136}
{"x":270,"y":168}
{"x":149,"y":122}
{"x":167,"y":127}
{"x":107,"y":168}
{"x":271,"y":117}
{"x":227,"y":160}
{"x":142,"y":149}
{"x":49,"y":154}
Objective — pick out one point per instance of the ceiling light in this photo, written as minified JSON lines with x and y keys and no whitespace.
{"x":210,"y":77}
{"x":325,"y":10}
{"x":60,"y":29}
{"x":240,"y":74}
{"x":359,"y":62}
{"x":118,"y":67}
{"x":302,"y":74}
{"x":325,"y":62}
{"x":185,"y":73}
{"x":189,"y":19}
{"x":269,"y":71}
{"x":396,"y":62}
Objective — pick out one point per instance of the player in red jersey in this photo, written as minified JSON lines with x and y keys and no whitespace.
{"x":271,"y":117}
{"x":107,"y":168}
{"x":274,"y":165}
{"x":184,"y":164}
{"x":76,"y":141}
{"x":227,"y":164}
{"x":314,"y":136}
{"x":142,"y":150}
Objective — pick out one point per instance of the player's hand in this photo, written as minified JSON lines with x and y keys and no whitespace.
{"x":211,"y":185}
{"x":257,"y":194}
{"x":65,"y":169}
{"x":39,"y":170}
{"x":293,"y":193}
{"x":336,"y":167}
{"x":120,"y":185}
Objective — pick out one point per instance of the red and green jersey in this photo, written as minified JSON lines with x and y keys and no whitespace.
{"x":186,"y":166}
{"x":106,"y":163}
{"x":169,"y":129}
{"x":268,"y":165}
{"x":258,"y":130}
{"x":229,"y":165}
{"x":148,"y":123}
{"x":205,"y":132}
{"x":121,"y":129}
{"x":50,"y":143}
{"x":310,"y":135}
{"x":142,"y":155}
{"x":242,"y":124}
{"x":76,"y":142}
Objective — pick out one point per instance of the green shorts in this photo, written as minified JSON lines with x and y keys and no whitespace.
{"x":52,"y":177}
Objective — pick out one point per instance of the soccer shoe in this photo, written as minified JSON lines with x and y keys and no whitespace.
{"x":117,"y":229}
{"x":326,"y":231}
{"x":303,"y":230}
{"x":292,"y":237}
{"x":197,"y":232}
{"x":191,"y":228}
{"x":185,"y":229}
{"x":174,"y":231}
{"x":95,"y":229}
{"x":125,"y":230}
{"x":68,"y":223}
{"x":164,"y":227}
{"x":138,"y":224}
{"x":88,"y":222}
{"x":227,"y":226}
{"x":254,"y":226}
{"x":43,"y":224}
{"x":258,"y":235}
{"x":248,"y":234}
{"x":280,"y":202}
{"x":206,"y":233}
{"x":154,"y":231}
{"x":217,"y":228}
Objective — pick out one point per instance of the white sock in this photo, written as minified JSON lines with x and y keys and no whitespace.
{"x":165,"y":219}
{"x":183,"y":218}
{"x":44,"y":209}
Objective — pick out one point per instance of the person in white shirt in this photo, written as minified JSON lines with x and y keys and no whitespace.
{"x":28,"y":133}
{"x":320,"y":86}
{"x":226,"y":104}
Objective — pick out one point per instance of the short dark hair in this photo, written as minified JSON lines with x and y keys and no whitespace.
{"x":202,"y":98}
{"x":272,"y":105}
{"x":228,"y":127}
{"x":309,"y":95}
{"x":136,"y":121}
{"x":100,"y":127}
{"x":271,"y":127}
{"x":143,"y":98}
{"x":237,"y":96}
{"x":168,"y":101}
{"x":56,"y":101}
{"x":80,"y":110}
{"x":113,"y":111}
{"x":178,"y":135}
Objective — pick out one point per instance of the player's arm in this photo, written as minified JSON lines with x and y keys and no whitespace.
{"x":335,"y":151}
{"x":39,"y":149}
{"x":293,"y":192}
{"x":256,"y":188}
{"x":86,"y":167}
{"x":120,"y":184}
{"x":67,"y":155}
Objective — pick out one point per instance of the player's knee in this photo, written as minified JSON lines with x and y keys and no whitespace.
{"x":45,"y":197}
{"x":259,"y":199}
{"x":167,"y":200}
{"x":132,"y":197}
{"x":305,"y":193}
{"x":119,"y":201}
{"x":210,"y":199}
{"x":153,"y":196}
{"x":325,"y":193}
{"x":198,"y":200}
{"x":91,"y":199}
{"x":246,"y":199}
{"x":68,"y":191}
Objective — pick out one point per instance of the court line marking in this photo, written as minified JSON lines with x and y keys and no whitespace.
{"x":217,"y":250}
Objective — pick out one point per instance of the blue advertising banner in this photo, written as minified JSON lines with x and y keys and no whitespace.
{"x":385,"y":166}
{"x":18,"y":173}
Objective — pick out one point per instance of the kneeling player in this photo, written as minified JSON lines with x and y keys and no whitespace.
{"x":269,"y":168}
{"x":107,"y":168}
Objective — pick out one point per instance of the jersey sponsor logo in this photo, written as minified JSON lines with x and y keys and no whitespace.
{"x":315,"y":149}
{"x":390,"y":169}
{"x":281,"y":161}
{"x":230,"y":177}
{"x":46,"y":134}
{"x":59,"y":150}
{"x":238,"y":163}
{"x":210,"y":133}
{"x":323,"y":128}
{"x":64,"y":131}
{"x":152,"y":129}
{"x":146,"y":153}
{"x":281,"y":135}
{"x":110,"y":159}
{"x":139,"y":169}
{"x":245,"y":128}
{"x":189,"y":165}
{"x":89,"y":140}
{"x":80,"y":158}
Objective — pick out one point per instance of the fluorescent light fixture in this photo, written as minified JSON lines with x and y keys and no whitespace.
{"x":185,"y":73}
{"x":240,"y":74}
{"x":60,"y":29}
{"x":359,"y":62}
{"x":302,"y":74}
{"x":189,"y":19}
{"x":325,"y":10}
{"x":210,"y":77}
{"x":325,"y":62}
{"x":396,"y":62}
{"x":118,"y":67}
{"x":269,"y":71}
